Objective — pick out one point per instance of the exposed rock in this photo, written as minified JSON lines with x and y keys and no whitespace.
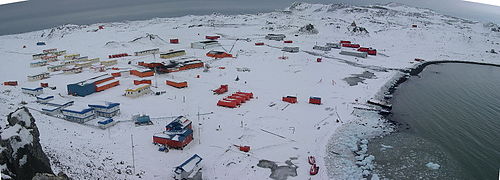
{"x":21,"y":155}
{"x":356,"y":30}
{"x":309,"y":29}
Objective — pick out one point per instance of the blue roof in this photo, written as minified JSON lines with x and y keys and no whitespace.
{"x":315,"y":97}
{"x":83,"y":111}
{"x":105,"y":106}
{"x":195,"y":156}
{"x":107,"y":121}
{"x":32,"y":89}
{"x":51,"y":109}
{"x":44,"y":97}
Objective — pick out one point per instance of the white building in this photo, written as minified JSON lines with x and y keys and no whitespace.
{"x":138,"y":90}
{"x":44,"y":98}
{"x":189,"y":169}
{"x":290,"y":49}
{"x":205,"y":44}
{"x":78,"y":114}
{"x":51,"y":110}
{"x":354,"y":53}
{"x":322,"y":48}
{"x":55,"y":68}
{"x":32,"y":91}
{"x":38,"y":76}
{"x":38,"y":63}
{"x":334,"y":45}
{"x":276,"y":37}
{"x":146,"y":52}
{"x":59,"y":103}
{"x":106,"y":109}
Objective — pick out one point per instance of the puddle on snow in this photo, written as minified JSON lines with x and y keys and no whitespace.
{"x":279,"y":172}
{"x":355,"y":79}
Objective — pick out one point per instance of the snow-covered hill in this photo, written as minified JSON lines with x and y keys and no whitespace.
{"x":334,"y":130}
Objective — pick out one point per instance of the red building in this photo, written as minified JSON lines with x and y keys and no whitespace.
{"x":177,"y":134}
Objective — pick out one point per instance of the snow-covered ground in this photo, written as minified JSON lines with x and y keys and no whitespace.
{"x":84,"y":151}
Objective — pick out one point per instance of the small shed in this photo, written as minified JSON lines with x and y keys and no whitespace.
{"x":189,"y":169}
{"x":140,"y":119}
{"x":78,"y":114}
{"x":106,"y":109}
{"x":35,"y":91}
{"x":40,"y":43}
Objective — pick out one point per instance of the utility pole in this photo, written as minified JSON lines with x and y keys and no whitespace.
{"x":133,"y":158}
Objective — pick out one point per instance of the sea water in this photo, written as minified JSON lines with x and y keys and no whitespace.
{"x":450,"y":125}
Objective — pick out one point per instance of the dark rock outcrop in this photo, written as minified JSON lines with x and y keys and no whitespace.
{"x":21,"y":155}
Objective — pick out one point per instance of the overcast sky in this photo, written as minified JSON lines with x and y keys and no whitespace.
{"x":40,"y":14}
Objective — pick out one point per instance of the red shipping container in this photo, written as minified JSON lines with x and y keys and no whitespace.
{"x":314,"y":100}
{"x":245,"y":148}
{"x":144,"y":81}
{"x":290,"y":99}
{"x":372,"y":52}
{"x":212,"y":37}
{"x":259,"y":43}
{"x":244,"y":93}
{"x":345,"y":42}
{"x":346,"y":45}
{"x":225,"y":103}
{"x":174,"y":41}
{"x":288,"y":41}
{"x":44,"y":84}
{"x":237,"y":101}
{"x":363,"y":49}
{"x":10,"y":83}
{"x":116,"y":74}
{"x":238,"y":98}
{"x":355,"y":45}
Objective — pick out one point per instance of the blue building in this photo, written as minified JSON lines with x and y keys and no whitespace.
{"x":60,"y":103}
{"x":78,"y":114}
{"x":81,"y":88}
{"x":107,"y":109}
{"x":51,"y":110}
{"x":189,"y":169}
{"x":44,"y":99}
{"x":32,"y":91}
{"x":105,"y":123}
